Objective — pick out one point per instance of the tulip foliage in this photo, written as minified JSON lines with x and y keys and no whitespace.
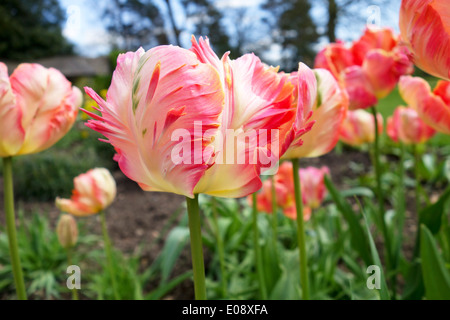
{"x":237,"y":138}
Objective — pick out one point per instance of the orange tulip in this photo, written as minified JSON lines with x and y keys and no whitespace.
{"x":94,"y":191}
{"x":425,"y":28}
{"x":359,"y":128}
{"x":406,"y":126}
{"x":433,"y":107}
{"x":38,"y":106}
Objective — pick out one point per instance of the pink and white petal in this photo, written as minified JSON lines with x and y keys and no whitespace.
{"x":171,"y":90}
{"x":430,"y":107}
{"x":11,"y":130}
{"x":327,"y":118}
{"x":425,"y":27}
{"x":359,"y":89}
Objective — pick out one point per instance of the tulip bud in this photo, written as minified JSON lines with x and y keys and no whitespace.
{"x":67,"y":231}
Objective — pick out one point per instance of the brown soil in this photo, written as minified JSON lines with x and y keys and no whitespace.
{"x":137,"y":217}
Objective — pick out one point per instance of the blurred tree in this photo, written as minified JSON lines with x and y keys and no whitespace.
{"x":294,"y":30}
{"x":350,"y":12}
{"x":31,"y":29}
{"x":134,"y":23}
{"x":207,"y":21}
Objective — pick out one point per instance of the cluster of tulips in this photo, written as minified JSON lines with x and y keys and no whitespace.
{"x":188,"y":122}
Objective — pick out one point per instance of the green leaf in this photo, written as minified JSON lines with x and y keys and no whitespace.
{"x":435,"y":275}
{"x":175,"y":242}
{"x":162,"y":290}
{"x":431,"y":216}
{"x":358,"y":238}
{"x":384,"y":292}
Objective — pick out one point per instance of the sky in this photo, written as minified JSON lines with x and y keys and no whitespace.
{"x":85,"y":29}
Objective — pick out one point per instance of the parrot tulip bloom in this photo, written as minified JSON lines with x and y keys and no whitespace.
{"x":359,"y":127}
{"x":38,"y":106}
{"x":329,"y":105}
{"x":369,"y":69}
{"x":406,"y":126}
{"x":169,"y":113}
{"x":93,"y":192}
{"x":433,"y":107}
{"x":425,"y":28}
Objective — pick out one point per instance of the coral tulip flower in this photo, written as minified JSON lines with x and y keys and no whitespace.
{"x":93,"y":192}
{"x":406,"y":126}
{"x":38,"y":106}
{"x":186,"y":122}
{"x":425,"y":28}
{"x":329,"y":105}
{"x":359,"y":127}
{"x":433,"y":107}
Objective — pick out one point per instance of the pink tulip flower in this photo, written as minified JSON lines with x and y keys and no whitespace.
{"x":433,"y":107}
{"x":93,"y":192}
{"x":359,"y":127}
{"x":406,"y":126}
{"x":370,"y":68}
{"x":425,"y":28}
{"x":38,"y":106}
{"x":313,"y":186}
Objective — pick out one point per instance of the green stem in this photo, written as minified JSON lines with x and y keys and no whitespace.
{"x":417,"y":177}
{"x":11,"y":228}
{"x":301,"y":231}
{"x":195,"y":231}
{"x":108,"y":253}
{"x":274,"y":214}
{"x":258,"y":257}
{"x":380,"y":195}
{"x":69,"y":261}
{"x":418,"y":202}
{"x":220,"y":248}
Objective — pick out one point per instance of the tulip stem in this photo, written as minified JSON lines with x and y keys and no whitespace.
{"x":195,"y":230}
{"x":274,"y":214}
{"x":379,"y":189}
{"x":108,"y":252}
{"x":220,"y":248}
{"x":69,"y":261}
{"x":11,"y":228}
{"x":258,"y":257}
{"x":417,"y":177}
{"x":301,"y":236}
